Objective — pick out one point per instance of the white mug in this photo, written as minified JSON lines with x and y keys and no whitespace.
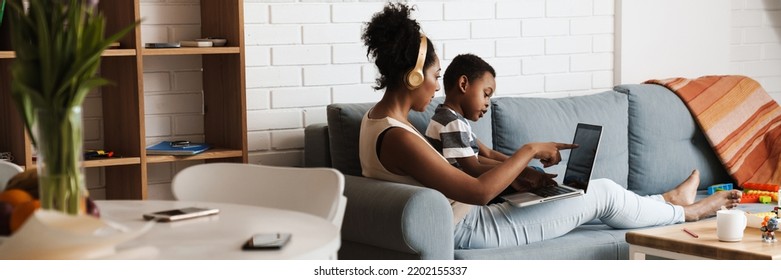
{"x":730,"y":225}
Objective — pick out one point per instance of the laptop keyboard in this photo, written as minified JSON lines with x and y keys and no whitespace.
{"x":551,"y":191}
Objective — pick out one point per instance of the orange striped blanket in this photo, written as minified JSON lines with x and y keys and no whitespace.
{"x":739,"y":119}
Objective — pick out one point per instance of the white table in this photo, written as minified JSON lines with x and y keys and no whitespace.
{"x":221,"y":236}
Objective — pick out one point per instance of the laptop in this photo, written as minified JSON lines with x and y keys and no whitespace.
{"x":577,"y":175}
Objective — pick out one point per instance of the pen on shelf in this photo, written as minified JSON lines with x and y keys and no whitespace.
{"x":691,"y":233}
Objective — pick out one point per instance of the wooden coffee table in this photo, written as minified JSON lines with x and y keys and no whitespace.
{"x":673,"y":243}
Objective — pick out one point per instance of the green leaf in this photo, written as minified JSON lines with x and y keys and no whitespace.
{"x":58,"y":47}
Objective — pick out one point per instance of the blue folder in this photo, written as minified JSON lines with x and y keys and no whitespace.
{"x":167,"y":148}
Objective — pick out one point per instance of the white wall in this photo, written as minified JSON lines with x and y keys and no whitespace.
{"x":699,"y":37}
{"x":304,"y":55}
{"x":755,"y":45}
{"x":664,"y":39}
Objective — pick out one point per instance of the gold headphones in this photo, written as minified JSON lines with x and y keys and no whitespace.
{"x":415,"y":77}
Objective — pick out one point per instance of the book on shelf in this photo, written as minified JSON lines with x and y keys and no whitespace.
{"x":177,"y":148}
{"x":196,"y":43}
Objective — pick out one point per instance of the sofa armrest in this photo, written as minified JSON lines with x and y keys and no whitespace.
{"x":398,"y":217}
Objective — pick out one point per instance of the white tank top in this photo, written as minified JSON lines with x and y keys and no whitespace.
{"x":371,"y":129}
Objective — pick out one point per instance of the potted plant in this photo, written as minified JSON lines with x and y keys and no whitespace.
{"x":2,"y":11}
{"x":58,"y":46}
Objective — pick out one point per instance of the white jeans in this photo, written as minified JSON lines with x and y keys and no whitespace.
{"x":502,"y":225}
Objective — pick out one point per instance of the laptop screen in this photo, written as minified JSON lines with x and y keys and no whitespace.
{"x":581,"y":159}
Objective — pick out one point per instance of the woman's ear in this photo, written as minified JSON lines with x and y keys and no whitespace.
{"x":463,"y":82}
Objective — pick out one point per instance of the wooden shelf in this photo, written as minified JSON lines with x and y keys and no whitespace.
{"x":107,"y":162}
{"x":119,"y":52}
{"x":123,"y":119}
{"x":192,"y":51}
{"x":209,"y":154}
{"x":114,"y":52}
{"x":112,"y":162}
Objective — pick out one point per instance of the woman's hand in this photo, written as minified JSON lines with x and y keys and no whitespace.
{"x":531,"y":179}
{"x":548,"y":152}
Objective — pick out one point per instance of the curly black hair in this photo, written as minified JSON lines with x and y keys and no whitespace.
{"x":469,"y":65}
{"x":392,"y":38}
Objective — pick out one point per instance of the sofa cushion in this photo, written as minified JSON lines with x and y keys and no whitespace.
{"x":317,"y":151}
{"x":665,"y":143}
{"x":518,"y":121}
{"x":586,"y":242}
{"x":344,"y":123}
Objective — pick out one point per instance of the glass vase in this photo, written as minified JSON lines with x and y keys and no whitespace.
{"x":58,"y":139}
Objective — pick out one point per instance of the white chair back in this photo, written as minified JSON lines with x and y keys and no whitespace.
{"x":317,"y":191}
{"x":7,"y":171}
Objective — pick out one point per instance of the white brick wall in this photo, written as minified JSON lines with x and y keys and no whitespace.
{"x":756,"y":42}
{"x":469,"y":10}
{"x":300,"y":97}
{"x":332,"y":75}
{"x":92,"y":116}
{"x":303,"y":55}
{"x":332,"y":33}
{"x":520,"y":9}
{"x":300,"y":13}
{"x":519,"y":47}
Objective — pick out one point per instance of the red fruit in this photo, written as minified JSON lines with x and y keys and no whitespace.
{"x":15,"y":197}
{"x":22,"y":213}
{"x":92,"y":208}
{"x":5,"y":218}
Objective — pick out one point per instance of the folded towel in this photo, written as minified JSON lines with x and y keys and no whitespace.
{"x":739,"y":119}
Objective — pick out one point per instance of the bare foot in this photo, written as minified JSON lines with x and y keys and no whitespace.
{"x":709,"y":205}
{"x":685,"y":192}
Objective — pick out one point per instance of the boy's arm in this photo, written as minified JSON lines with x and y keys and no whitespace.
{"x":485,"y":160}
{"x":489,"y":153}
{"x":474,"y":166}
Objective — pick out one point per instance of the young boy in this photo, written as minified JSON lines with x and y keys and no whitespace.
{"x":469,"y":84}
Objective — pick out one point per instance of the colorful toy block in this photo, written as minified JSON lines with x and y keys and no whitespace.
{"x":761,"y":187}
{"x":749,"y":198}
{"x":719,"y":187}
{"x":773,"y":195}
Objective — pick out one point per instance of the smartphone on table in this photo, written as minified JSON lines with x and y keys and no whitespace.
{"x":180,"y":214}
{"x":265,"y":241}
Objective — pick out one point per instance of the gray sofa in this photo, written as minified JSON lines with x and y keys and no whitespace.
{"x":650,"y":143}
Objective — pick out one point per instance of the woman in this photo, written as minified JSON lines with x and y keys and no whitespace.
{"x":391,"y":149}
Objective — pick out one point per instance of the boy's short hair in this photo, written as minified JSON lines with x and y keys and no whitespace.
{"x":469,"y":65}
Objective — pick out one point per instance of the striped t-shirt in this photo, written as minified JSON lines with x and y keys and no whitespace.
{"x":451,"y":134}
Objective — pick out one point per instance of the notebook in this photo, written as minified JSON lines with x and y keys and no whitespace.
{"x":176,"y":148}
{"x":577,"y":175}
